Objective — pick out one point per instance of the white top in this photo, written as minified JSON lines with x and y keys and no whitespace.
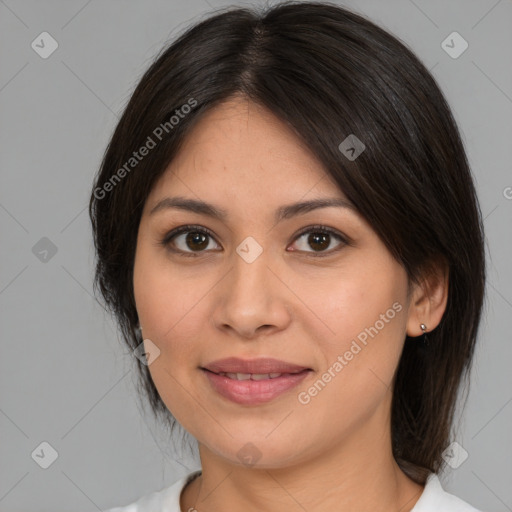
{"x":433,"y":499}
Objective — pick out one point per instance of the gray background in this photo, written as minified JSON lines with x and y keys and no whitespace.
{"x":65,"y":377}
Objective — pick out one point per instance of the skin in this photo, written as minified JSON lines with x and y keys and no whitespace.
{"x":333,"y":453}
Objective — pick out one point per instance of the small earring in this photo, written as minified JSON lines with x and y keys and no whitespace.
{"x":423,"y":327}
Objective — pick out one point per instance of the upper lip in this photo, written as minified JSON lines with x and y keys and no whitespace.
{"x":258,"y":366}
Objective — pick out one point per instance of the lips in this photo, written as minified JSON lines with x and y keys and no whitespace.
{"x":252,"y":376}
{"x":253,"y":381}
{"x":253,"y":367}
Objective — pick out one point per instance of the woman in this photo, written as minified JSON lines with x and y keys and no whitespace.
{"x":288,"y":234}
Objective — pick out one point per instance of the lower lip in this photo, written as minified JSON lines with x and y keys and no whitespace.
{"x":253,"y":392}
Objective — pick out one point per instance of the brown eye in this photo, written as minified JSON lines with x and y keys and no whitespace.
{"x":188,"y":240}
{"x":320,"y":239}
{"x":196,"y":240}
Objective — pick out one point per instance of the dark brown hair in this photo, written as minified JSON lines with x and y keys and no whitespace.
{"x":328,"y":73}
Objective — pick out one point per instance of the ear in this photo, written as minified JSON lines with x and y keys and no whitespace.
{"x":428,"y":298}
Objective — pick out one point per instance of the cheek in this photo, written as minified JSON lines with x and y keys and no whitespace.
{"x":173,"y":321}
{"x":172,"y":315}
{"x":165,"y":299}
{"x":366,"y":317}
{"x":352,"y":303}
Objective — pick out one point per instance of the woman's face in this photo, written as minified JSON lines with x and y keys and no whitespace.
{"x":257,"y":288}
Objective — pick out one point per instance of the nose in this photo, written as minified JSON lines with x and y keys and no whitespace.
{"x":252,"y":299}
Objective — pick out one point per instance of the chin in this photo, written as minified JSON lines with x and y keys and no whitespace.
{"x":259,"y":451}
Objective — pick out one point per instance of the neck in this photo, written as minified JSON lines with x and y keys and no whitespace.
{"x":358,"y":473}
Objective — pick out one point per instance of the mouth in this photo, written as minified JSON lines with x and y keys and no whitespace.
{"x":260,"y":368}
{"x":255,"y":376}
{"x":252,"y":389}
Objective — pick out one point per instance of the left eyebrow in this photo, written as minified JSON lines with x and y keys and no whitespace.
{"x":291,"y":210}
{"x":283,"y":212}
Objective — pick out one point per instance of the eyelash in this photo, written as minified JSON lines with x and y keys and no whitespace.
{"x":165,"y":242}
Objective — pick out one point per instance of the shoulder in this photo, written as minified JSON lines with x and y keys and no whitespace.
{"x":165,"y":500}
{"x":435,"y":499}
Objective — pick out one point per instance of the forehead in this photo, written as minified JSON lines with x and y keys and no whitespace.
{"x":241,"y":148}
